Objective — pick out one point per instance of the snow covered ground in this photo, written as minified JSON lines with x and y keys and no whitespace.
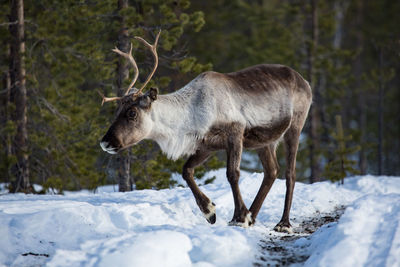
{"x":165,"y":228}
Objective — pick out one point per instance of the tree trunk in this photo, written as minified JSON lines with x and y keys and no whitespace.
{"x":7,"y":141}
{"x":358,"y":70}
{"x":340,"y":8}
{"x":380,"y":114}
{"x":123,"y":172}
{"x":123,"y":159}
{"x":17,"y":74}
{"x":313,"y":116}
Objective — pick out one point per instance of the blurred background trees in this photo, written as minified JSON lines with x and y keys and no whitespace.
{"x":348,"y":50}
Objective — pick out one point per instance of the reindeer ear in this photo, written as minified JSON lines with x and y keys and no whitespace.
{"x":150,"y":96}
{"x":153,"y":93}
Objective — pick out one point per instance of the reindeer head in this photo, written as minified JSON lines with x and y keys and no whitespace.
{"x":133,"y":122}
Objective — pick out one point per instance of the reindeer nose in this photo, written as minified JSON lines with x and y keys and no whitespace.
{"x":105,"y":146}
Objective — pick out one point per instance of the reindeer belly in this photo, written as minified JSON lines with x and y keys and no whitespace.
{"x":254,"y":137}
{"x":260,"y":136}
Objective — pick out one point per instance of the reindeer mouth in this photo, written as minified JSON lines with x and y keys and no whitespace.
{"x":109,"y":149}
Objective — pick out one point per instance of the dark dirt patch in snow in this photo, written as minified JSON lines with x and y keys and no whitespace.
{"x":35,"y":254}
{"x":280,"y":249}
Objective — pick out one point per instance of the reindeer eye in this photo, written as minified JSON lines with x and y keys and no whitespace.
{"x":131,"y":114}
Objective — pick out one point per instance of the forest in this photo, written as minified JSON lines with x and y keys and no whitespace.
{"x":57,"y":55}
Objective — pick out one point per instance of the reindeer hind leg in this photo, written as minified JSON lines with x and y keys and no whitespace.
{"x":291,"y":140}
{"x":270,"y":165}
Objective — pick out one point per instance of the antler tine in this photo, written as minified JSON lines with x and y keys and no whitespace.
{"x":153,"y":49}
{"x":108,"y":99}
{"x":133,"y":62}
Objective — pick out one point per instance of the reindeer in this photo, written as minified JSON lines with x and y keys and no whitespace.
{"x":254,"y":108}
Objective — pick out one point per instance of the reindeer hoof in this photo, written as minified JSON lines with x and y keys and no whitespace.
{"x":284,"y":228}
{"x":211,"y":217}
{"x":248,"y":221}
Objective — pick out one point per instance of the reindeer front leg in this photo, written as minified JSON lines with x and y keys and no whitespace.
{"x":242,"y":216}
{"x":204,"y":203}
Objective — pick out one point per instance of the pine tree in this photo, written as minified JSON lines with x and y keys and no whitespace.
{"x":68,"y":57}
{"x":314,"y":119}
{"x":7,"y":127}
{"x":342,"y":165}
{"x":18,"y":95}
{"x":149,"y":167}
{"x":123,"y":160}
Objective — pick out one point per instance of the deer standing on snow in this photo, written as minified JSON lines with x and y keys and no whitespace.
{"x":254,"y":108}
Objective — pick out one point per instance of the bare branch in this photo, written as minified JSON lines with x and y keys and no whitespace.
{"x":53,"y":109}
{"x":9,"y":23}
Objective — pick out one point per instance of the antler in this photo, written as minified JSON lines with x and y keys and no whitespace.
{"x":133,"y":62}
{"x":108,"y":99}
{"x":153,"y":49}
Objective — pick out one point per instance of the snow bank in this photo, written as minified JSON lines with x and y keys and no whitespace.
{"x":165,"y":228}
{"x":150,"y":249}
{"x":368,"y":233}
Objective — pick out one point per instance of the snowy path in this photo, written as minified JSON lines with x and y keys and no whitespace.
{"x":284,"y":250}
{"x":165,"y":228}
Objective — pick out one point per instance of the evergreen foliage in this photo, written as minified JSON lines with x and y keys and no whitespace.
{"x":341,"y":166}
{"x":68,"y":57}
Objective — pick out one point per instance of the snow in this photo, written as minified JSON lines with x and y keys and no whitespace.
{"x":165,"y":227}
{"x":368,"y":234}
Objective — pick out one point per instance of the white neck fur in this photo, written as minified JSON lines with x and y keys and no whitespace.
{"x":174,"y":129}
